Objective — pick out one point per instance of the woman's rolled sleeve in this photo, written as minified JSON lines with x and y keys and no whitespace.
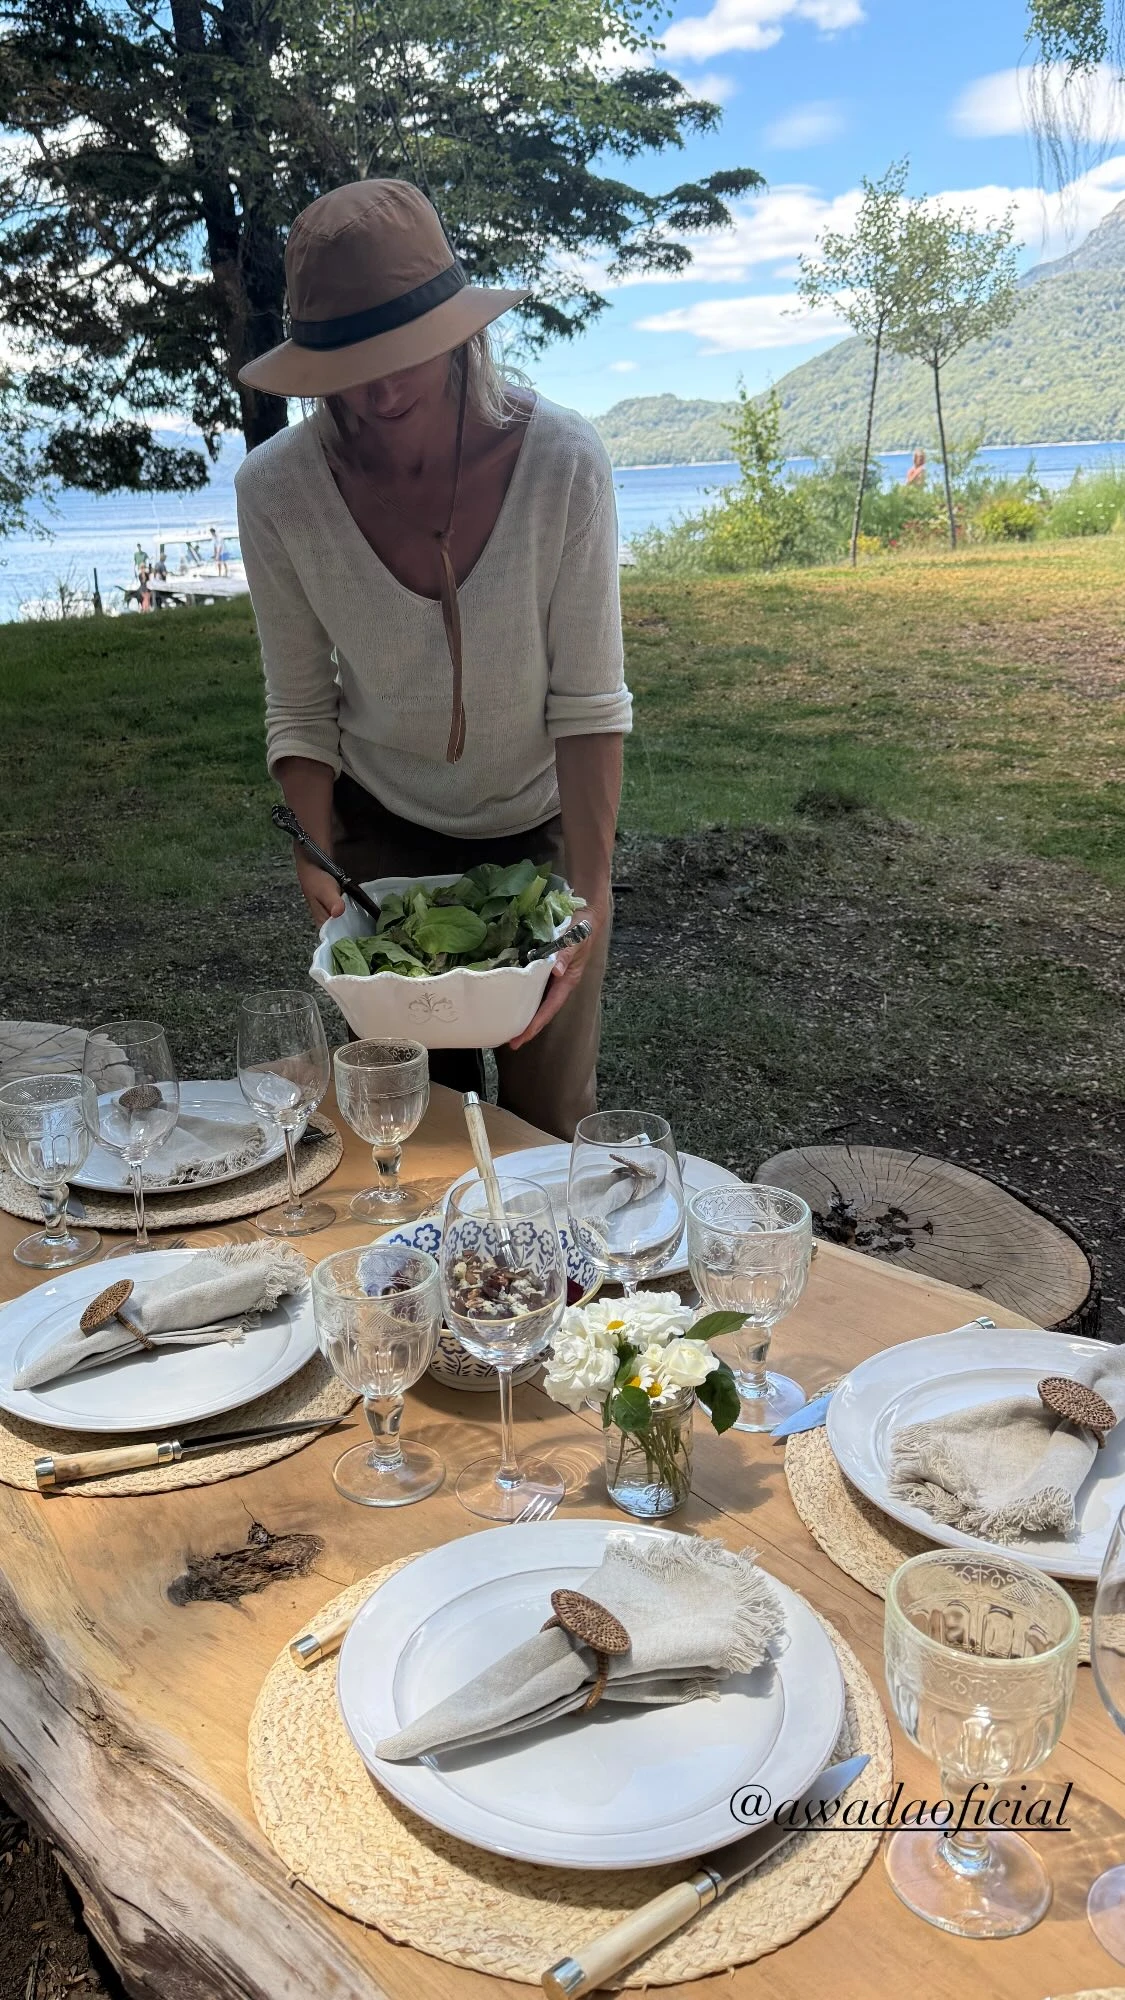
{"x":587,"y":695}
{"x":302,"y":695}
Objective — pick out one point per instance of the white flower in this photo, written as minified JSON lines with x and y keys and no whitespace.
{"x":687,"y":1363}
{"x":645,"y":1319}
{"x":580,"y":1366}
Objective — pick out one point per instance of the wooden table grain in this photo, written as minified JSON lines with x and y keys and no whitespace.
{"x":123,"y":1715}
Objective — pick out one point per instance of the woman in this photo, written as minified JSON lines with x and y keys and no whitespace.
{"x":432,"y":558}
{"x":916,"y":471}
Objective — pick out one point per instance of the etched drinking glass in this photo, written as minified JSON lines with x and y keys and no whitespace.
{"x":625,"y":1196}
{"x":1105,"y":1905}
{"x":377,"y":1315}
{"x":749,"y":1249}
{"x":503,"y":1284}
{"x":46,"y":1131}
{"x":138,"y":1110}
{"x":283,"y":1072}
{"x":981,"y":1654}
{"x":382,"y":1089}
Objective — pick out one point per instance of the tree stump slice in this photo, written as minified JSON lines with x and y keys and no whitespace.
{"x":931,"y":1216}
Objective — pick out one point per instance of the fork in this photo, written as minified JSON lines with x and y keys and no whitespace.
{"x":539,"y":1508}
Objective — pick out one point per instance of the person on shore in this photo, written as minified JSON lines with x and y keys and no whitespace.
{"x":140,"y":559}
{"x":432,"y":561}
{"x":916,"y":473}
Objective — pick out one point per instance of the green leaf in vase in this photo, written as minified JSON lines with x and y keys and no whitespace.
{"x":719,"y":1395}
{"x":631,"y":1411}
{"x":713,"y":1325}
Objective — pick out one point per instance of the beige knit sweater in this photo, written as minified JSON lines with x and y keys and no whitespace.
{"x":357,"y":669}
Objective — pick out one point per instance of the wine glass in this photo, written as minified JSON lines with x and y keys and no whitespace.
{"x":377,"y":1315}
{"x":46,"y":1130}
{"x":382,"y":1089}
{"x":141,"y":1108}
{"x":1105,"y":1905}
{"x":503,"y":1283}
{"x":749,"y":1250}
{"x":283,"y":1072}
{"x":981,"y":1654}
{"x":625,"y":1197}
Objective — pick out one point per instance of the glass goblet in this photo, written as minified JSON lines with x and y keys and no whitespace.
{"x":46,"y":1133}
{"x":503,"y":1284}
{"x":138,"y":1109}
{"x":980,"y":1654}
{"x":283,"y":1072}
{"x":625,"y":1195}
{"x":749,"y":1250}
{"x":1105,"y":1905}
{"x":382,"y":1089}
{"x":377,"y":1315}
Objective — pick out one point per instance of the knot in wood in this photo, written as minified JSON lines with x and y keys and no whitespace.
{"x":140,"y":1097}
{"x":1078,"y":1404}
{"x":592,"y":1625}
{"x":106,"y":1306}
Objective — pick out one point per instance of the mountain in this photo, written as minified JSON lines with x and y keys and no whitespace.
{"x":1056,"y":374}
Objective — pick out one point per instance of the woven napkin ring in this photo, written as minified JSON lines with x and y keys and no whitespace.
{"x":107,"y":1306}
{"x":1078,"y":1404}
{"x":592,"y":1625}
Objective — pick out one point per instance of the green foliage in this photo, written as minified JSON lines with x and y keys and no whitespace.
{"x":763,"y":522}
{"x":1074,"y":32}
{"x":1008,"y":519}
{"x":1092,"y":505}
{"x":154,"y":159}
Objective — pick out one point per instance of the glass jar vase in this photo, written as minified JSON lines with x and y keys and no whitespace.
{"x":649,"y":1476}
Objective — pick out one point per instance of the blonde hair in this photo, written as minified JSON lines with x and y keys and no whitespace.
{"x":491,"y":398}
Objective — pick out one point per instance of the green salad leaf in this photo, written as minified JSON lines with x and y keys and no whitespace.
{"x":492,"y":916}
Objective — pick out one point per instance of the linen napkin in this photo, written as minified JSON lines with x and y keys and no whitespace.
{"x":201,"y":1149}
{"x":213,"y":1295}
{"x":1004,"y":1469}
{"x":695,"y":1613}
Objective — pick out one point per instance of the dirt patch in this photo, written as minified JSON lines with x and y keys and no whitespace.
{"x":45,"y":1952}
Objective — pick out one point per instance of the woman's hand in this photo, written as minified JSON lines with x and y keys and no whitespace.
{"x":321,"y":893}
{"x":566,"y":972}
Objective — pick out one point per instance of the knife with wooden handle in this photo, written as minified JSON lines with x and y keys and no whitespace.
{"x":667,"y":1913}
{"x":53,"y":1472}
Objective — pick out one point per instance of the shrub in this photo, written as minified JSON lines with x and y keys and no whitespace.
{"x":1093,"y":504}
{"x":1008,"y":519}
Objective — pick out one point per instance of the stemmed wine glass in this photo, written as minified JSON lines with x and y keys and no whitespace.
{"x":283,"y":1072}
{"x":981,"y":1654}
{"x":46,"y":1131}
{"x":139,"y":1111}
{"x":1105,"y":1905}
{"x":625,"y":1196}
{"x":377,"y":1315}
{"x":749,"y":1250}
{"x":382,"y":1089}
{"x":503,"y":1284}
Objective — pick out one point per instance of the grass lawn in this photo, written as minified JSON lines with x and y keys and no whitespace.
{"x":872,"y":859}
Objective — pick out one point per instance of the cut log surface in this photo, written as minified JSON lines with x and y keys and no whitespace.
{"x":930,"y":1215}
{"x":135,"y":1634}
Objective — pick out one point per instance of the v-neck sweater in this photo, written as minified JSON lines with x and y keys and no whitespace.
{"x":357,"y":668}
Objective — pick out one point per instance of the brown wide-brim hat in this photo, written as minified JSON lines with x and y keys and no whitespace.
{"x":373,"y":287}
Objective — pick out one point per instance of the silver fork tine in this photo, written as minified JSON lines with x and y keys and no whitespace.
{"x":538,"y":1508}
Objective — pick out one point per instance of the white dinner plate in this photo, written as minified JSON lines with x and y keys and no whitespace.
{"x":220,"y":1100}
{"x":926,"y":1379}
{"x":625,"y":1787}
{"x":550,"y":1166}
{"x":155,"y":1392}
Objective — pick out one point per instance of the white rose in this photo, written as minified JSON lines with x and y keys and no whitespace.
{"x":646,"y":1318}
{"x":687,"y":1363}
{"x":579,"y":1367}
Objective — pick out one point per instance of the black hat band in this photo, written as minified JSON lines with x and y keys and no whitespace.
{"x":352,"y":327}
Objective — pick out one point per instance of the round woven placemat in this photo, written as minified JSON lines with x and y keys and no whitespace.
{"x":858,"y":1537}
{"x":318,"y":1155}
{"x":337,"y":1831}
{"x":314,"y":1392}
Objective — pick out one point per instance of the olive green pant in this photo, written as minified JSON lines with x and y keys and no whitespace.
{"x":552,"y":1081}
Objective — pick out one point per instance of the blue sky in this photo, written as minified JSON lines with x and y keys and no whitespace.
{"x":815,"y":94}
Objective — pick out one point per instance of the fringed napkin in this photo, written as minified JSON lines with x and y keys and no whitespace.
{"x":213,"y":1295}
{"x":201,"y":1149}
{"x":694,"y":1614}
{"x":1005,"y":1469}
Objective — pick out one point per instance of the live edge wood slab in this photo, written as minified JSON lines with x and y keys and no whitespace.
{"x":135,"y":1634}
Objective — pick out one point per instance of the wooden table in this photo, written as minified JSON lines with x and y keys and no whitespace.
{"x":123,"y":1715}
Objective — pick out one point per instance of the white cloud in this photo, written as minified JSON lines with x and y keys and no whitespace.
{"x":714,"y":86}
{"x":622,"y":367}
{"x":743,"y":326}
{"x":806,"y":125}
{"x":1011,"y":102}
{"x":753,"y":24}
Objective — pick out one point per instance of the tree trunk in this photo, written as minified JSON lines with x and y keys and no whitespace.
{"x":866,"y":447}
{"x":936,"y":366}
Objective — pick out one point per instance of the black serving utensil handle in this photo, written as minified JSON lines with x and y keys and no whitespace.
{"x":577,"y":934}
{"x":285,"y":819}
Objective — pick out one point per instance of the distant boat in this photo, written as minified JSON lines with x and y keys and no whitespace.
{"x":203,"y":568}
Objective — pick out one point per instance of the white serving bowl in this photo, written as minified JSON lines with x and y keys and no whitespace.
{"x":451,"y":1010}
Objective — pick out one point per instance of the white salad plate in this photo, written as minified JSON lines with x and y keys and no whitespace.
{"x":154,"y":1392}
{"x":550,"y":1166}
{"x":628,"y":1786}
{"x":924,"y":1380}
{"x":221,"y":1102}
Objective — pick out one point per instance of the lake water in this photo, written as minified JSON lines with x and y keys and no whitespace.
{"x":91,"y":532}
